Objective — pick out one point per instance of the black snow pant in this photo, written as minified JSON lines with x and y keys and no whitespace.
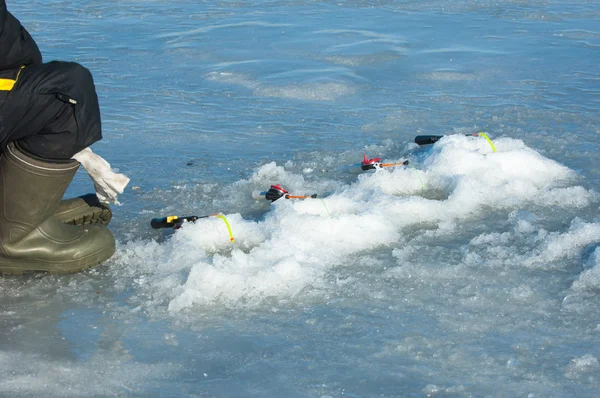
{"x":52,"y":110}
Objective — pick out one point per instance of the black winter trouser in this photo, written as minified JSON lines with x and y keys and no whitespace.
{"x":52,"y":111}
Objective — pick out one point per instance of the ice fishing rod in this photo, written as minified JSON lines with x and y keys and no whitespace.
{"x":176,"y":222}
{"x":432,"y":139}
{"x":373,"y":164}
{"x":427,"y":139}
{"x":277,"y":192}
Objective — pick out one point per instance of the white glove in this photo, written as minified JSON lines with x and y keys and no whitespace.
{"x":106,"y":182}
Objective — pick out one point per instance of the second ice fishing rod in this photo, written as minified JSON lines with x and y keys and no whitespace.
{"x":373,"y":164}
{"x":277,"y":192}
{"x":432,"y":139}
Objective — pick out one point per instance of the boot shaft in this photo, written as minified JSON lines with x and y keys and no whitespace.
{"x":30,"y":191}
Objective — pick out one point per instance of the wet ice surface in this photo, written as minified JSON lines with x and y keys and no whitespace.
{"x":468,"y":273}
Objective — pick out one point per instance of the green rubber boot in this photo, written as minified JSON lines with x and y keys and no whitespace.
{"x":83,"y":210}
{"x":31,"y":237}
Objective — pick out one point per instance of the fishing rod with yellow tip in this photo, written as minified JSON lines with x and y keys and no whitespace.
{"x":432,"y":139}
{"x":373,"y":164}
{"x":277,"y":192}
{"x":177,"y":222}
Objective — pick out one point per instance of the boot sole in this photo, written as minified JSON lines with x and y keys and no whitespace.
{"x":103,"y":217}
{"x":19,"y":267}
{"x":96,"y":216}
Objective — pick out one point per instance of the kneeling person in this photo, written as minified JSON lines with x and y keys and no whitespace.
{"x":48,"y":113}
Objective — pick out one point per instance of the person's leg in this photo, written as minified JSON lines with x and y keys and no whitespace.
{"x":52,"y":111}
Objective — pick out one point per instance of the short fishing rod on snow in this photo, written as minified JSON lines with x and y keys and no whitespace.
{"x":174,"y":222}
{"x":277,"y":192}
{"x":177,"y":222}
{"x":373,"y":164}
{"x":432,"y":139}
{"x":427,"y":139}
